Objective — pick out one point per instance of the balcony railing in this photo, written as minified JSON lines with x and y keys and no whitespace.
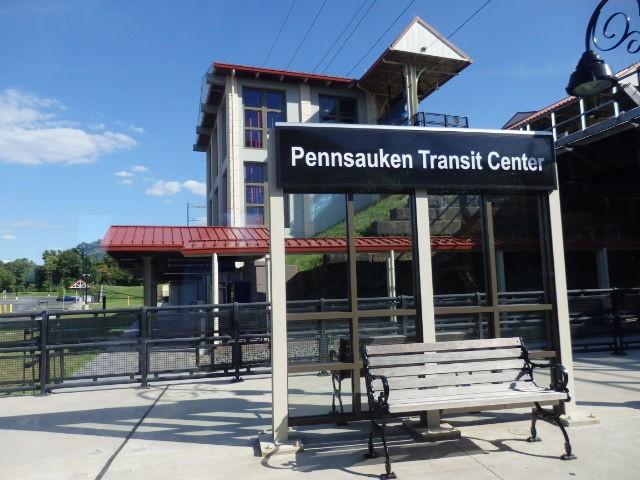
{"x":427,"y":119}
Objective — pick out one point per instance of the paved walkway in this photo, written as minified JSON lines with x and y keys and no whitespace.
{"x":208,"y":429}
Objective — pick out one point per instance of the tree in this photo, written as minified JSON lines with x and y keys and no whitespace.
{"x":7,"y":278}
{"x":51,"y":273}
{"x":24,"y":271}
{"x":69,"y":267}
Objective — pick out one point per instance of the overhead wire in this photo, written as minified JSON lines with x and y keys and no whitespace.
{"x":350,"y":35}
{"x":307,"y":33}
{"x":396,"y":20}
{"x":381,"y":36}
{"x":353,"y":17}
{"x":468,"y":19}
{"x":279,"y":32}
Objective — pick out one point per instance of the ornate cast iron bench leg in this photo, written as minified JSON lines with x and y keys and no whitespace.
{"x":380,"y":430}
{"x":541,"y":413}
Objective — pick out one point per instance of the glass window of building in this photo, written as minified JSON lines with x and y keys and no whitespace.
{"x":254,"y":180}
{"x":338,"y":109}
{"x":262,"y":109}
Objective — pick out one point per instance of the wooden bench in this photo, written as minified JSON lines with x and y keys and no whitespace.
{"x":419,"y":377}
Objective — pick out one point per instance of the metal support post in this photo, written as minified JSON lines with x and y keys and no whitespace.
{"x":143,"y":349}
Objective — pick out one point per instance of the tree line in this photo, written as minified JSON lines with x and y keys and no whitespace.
{"x":61,"y":268}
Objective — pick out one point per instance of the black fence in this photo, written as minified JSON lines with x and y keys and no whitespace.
{"x":606,"y":319}
{"x":71,"y":348}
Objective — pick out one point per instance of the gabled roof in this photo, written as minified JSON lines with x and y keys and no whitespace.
{"x":79,"y":284}
{"x":436,"y":59}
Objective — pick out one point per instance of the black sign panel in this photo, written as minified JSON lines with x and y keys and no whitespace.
{"x":321,"y":157}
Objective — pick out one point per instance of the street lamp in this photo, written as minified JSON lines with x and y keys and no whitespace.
{"x":593,"y":75}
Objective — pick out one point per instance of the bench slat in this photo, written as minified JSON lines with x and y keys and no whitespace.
{"x":443,"y":380}
{"x":439,"y":357}
{"x":480,"y":400}
{"x":441,"y":346}
{"x":431,"y":394}
{"x":431,"y":369}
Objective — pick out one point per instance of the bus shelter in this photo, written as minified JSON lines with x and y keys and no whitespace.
{"x":474,"y":216}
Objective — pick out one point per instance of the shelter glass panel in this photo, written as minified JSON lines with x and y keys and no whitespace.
{"x":318,"y":341}
{"x":462,"y":326}
{"x":519,"y":260}
{"x":319,"y":393}
{"x":384,"y":267}
{"x":457,"y":246}
{"x":533,"y":327}
{"x":317,"y":268}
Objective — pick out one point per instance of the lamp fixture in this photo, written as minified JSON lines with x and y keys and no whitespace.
{"x":592,"y":75}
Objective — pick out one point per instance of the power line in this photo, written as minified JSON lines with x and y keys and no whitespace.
{"x":307,"y":33}
{"x":353,"y":17}
{"x":381,"y":36}
{"x":279,"y":32}
{"x":350,"y":35}
{"x":468,"y":19}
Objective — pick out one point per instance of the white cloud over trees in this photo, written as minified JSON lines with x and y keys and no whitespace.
{"x":33,"y":133}
{"x":163,"y":188}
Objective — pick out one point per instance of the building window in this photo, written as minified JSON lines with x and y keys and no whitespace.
{"x":254,"y":187}
{"x":338,"y":110}
{"x":262,"y":109}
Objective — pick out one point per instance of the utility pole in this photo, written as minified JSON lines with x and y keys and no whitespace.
{"x":191,"y":219}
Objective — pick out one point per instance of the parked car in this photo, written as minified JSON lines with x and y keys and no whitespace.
{"x":66,"y":298}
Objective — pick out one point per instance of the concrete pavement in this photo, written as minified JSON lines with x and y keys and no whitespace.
{"x":208,"y":429}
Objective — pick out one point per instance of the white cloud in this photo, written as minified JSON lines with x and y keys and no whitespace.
{"x":126,"y":181}
{"x":133,"y":128}
{"x":30,"y":224}
{"x":198,"y":188}
{"x":163,"y":188}
{"x":8,"y":237}
{"x":32,"y":134}
{"x":139,"y":169}
{"x":124,"y":174}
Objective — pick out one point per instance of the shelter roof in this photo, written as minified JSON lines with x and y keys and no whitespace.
{"x":254,"y":241}
{"x":437,"y":61}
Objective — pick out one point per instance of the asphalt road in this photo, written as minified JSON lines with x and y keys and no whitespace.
{"x":29,"y":304}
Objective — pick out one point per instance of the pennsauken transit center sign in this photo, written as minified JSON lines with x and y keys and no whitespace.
{"x":320,"y":157}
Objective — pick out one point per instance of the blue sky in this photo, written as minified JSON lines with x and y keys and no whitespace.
{"x":99,"y":99}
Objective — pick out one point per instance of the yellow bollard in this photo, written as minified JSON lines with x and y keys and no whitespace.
{"x":11,"y":308}
{"x":128,"y":301}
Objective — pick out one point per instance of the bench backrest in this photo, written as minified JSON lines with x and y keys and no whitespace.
{"x":496,"y":361}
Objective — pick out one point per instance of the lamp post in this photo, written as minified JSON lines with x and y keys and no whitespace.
{"x":592,"y":75}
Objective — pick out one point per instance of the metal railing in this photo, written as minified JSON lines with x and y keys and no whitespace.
{"x":57,"y":349}
{"x":427,"y":119}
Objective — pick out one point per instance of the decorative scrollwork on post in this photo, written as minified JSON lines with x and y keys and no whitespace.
{"x":616,"y":29}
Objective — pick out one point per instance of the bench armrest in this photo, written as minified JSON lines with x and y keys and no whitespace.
{"x":561,"y":379}
{"x":383,"y":397}
{"x":560,"y":376}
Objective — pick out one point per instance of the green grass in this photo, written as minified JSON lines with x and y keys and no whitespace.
{"x":68,"y":328}
{"x":363,"y":221}
{"x":122,"y":297}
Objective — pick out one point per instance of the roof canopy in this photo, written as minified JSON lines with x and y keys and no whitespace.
{"x":437,"y":61}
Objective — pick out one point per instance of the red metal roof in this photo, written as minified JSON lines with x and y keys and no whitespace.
{"x":199,"y":241}
{"x":247,"y":241}
{"x":259,"y":72}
